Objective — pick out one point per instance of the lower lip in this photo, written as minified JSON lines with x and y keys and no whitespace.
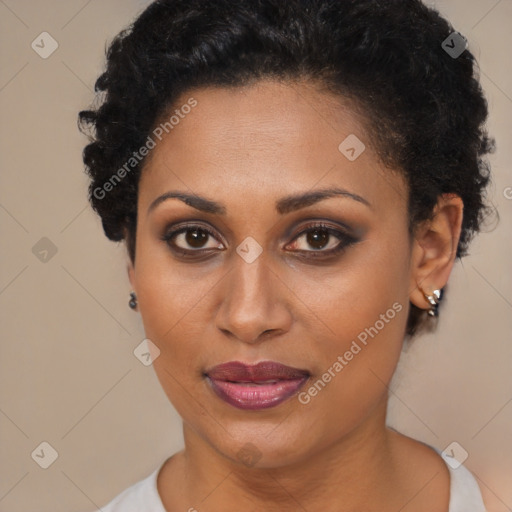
{"x":256,"y":396}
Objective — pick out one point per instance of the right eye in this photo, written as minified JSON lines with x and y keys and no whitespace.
{"x":190,"y":240}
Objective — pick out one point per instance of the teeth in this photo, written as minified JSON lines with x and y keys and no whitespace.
{"x":259,"y":383}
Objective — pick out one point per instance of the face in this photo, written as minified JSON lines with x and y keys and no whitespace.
{"x":248,"y":272}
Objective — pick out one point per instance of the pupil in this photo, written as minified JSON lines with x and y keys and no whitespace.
{"x":196,"y":237}
{"x":318,"y":238}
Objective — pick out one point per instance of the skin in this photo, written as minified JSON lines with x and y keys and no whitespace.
{"x":247,"y":148}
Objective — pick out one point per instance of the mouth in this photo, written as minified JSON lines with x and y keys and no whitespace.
{"x":253,"y":387}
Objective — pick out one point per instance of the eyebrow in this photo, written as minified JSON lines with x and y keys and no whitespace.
{"x":284,"y":205}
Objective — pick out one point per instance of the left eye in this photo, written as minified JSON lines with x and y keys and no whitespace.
{"x":322,"y":239}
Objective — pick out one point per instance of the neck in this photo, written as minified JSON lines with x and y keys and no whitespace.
{"x":355,"y":473}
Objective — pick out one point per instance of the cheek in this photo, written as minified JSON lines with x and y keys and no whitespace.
{"x":368,"y":290}
{"x":165,"y":306}
{"x":366,"y":311}
{"x":355,"y":366}
{"x":170,"y":312}
{"x":169,"y":292}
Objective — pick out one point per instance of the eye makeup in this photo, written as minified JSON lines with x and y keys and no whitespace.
{"x":182,"y":238}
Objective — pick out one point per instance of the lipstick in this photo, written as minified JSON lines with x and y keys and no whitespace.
{"x":255,"y":387}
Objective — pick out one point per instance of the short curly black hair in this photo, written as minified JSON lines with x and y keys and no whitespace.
{"x":424,"y":107}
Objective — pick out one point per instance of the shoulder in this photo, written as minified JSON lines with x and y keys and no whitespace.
{"x":465,"y":495}
{"x":142,"y":495}
{"x":454,"y":487}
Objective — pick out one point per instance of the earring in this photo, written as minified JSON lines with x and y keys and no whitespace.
{"x":133,"y":300}
{"x":433,"y":300}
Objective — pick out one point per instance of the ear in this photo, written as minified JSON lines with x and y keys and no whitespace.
{"x":131,"y":274}
{"x":435,"y":249}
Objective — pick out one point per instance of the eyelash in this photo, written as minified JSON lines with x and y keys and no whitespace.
{"x":346,"y":240}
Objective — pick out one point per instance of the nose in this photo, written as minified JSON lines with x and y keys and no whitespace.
{"x":254,"y":305}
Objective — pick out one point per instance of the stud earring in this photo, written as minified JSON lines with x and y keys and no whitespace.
{"x":133,"y":300}
{"x":433,"y":300}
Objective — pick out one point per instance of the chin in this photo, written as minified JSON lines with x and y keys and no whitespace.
{"x":263,"y":445}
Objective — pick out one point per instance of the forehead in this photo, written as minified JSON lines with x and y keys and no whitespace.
{"x":267,"y":140}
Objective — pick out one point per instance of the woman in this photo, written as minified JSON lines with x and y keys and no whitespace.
{"x":293,"y":181}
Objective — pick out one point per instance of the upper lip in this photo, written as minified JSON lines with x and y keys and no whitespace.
{"x":236,"y":371}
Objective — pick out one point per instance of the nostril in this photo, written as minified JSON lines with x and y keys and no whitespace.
{"x":268,"y":331}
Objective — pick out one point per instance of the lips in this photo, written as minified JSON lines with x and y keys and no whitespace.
{"x":254,"y":387}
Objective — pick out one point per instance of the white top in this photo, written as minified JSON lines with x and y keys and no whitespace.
{"x":143,"y":496}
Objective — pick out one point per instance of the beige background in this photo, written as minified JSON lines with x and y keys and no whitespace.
{"x":68,"y":373}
